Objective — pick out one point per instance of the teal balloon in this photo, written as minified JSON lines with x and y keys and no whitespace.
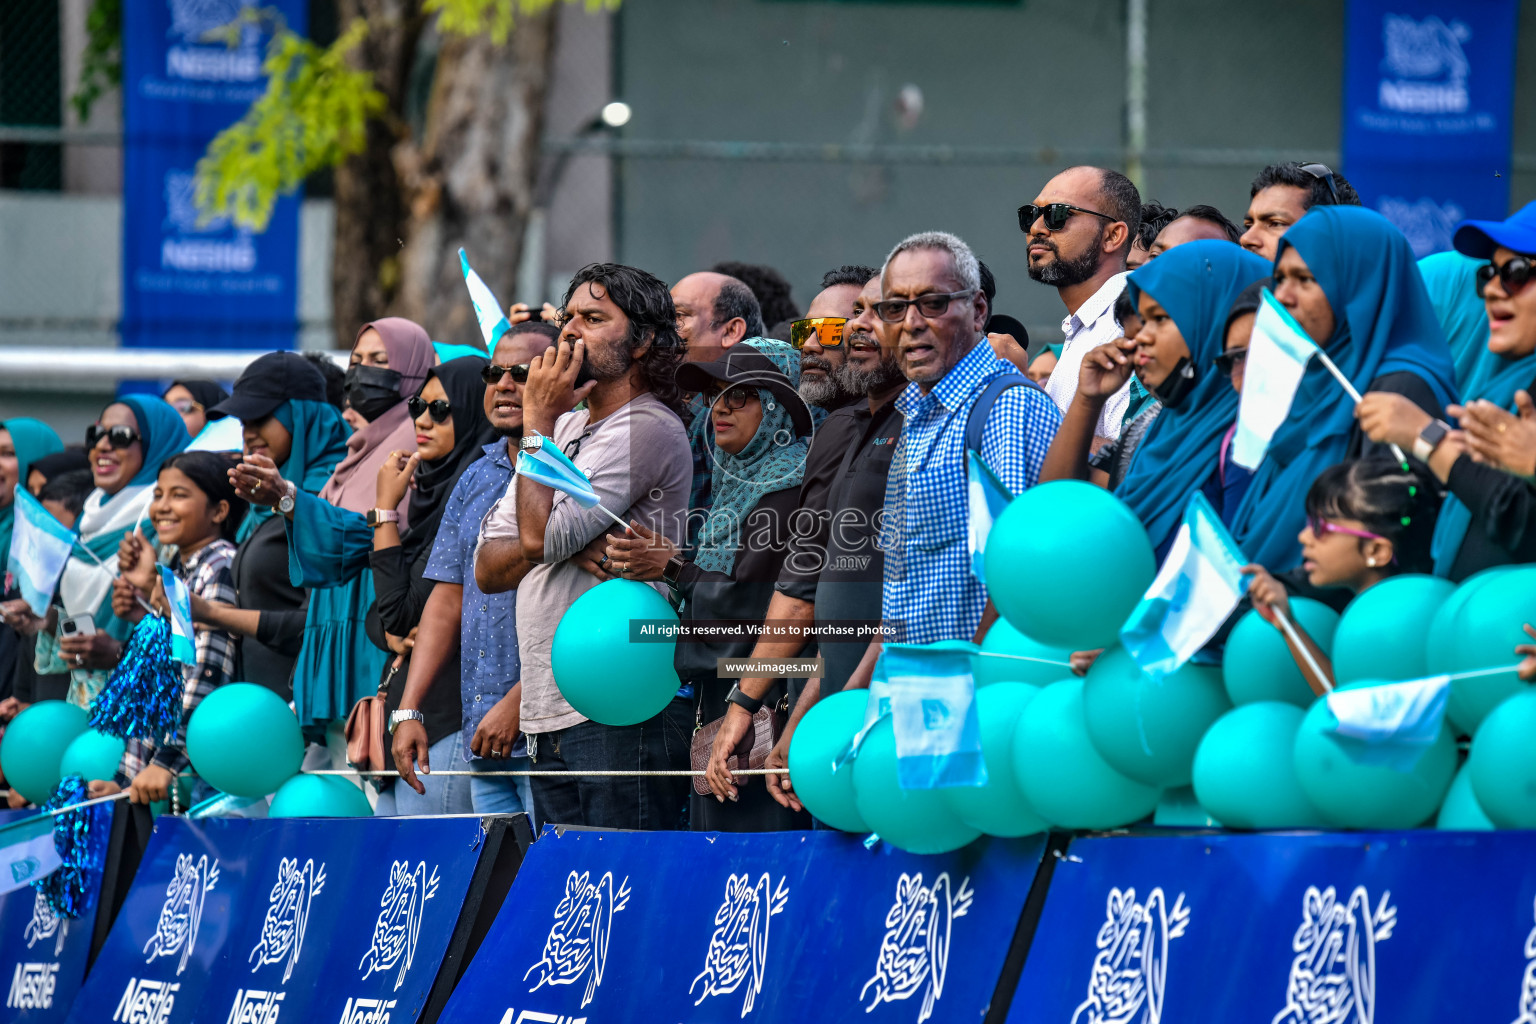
{"x":1352,"y":795}
{"x":1482,"y":634}
{"x":1440,"y":645}
{"x":998,"y":807}
{"x":34,"y":745}
{"x":243,"y":739}
{"x":915,"y":820}
{"x":1148,"y":729}
{"x":602,"y":670}
{"x":1258,"y":666}
{"x":1381,"y":634}
{"x":1244,"y":772}
{"x":1063,"y":777}
{"x":822,"y":735}
{"x":1461,"y":812}
{"x":1068,"y":595}
{"x":92,"y":755}
{"x":319,"y":796}
{"x":1503,"y":762}
{"x":1003,"y":638}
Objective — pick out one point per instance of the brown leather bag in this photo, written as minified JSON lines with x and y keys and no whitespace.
{"x":368,"y":729}
{"x":752,"y":752}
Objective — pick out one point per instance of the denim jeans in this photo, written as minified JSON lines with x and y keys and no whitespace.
{"x":659,"y":744}
{"x":506,"y":794}
{"x":446,"y":794}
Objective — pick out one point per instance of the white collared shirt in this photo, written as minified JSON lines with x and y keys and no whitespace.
{"x":1092,"y":325}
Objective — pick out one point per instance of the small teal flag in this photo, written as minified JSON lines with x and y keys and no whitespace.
{"x":933,"y":711}
{"x":493,"y":322}
{"x":40,"y":546}
{"x":1199,"y":585}
{"x":1391,"y":724}
{"x":27,"y":852}
{"x":183,"y":648}
{"x":223,"y":435}
{"x":549,"y":466}
{"x":987,"y":498}
{"x":1277,"y":358}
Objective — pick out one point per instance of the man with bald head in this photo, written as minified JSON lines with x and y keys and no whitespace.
{"x":714,"y":312}
{"x":1080,"y":229}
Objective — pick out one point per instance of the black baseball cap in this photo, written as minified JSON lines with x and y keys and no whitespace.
{"x":743,"y":365}
{"x":269,"y":382}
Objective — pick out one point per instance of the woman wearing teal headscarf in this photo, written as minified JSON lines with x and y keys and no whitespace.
{"x":22,"y":442}
{"x":1450,"y":279}
{"x":1349,"y":278}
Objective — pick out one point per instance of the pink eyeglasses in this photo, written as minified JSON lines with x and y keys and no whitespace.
{"x":1321,"y":527}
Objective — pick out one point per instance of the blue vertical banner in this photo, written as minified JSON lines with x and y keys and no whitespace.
{"x":1428,"y":94}
{"x":186,"y":283}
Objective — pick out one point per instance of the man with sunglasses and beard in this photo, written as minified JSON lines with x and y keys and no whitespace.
{"x":819,"y":337}
{"x":619,"y":351}
{"x":459,"y":616}
{"x":1080,"y":229}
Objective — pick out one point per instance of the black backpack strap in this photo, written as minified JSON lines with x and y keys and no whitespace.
{"x":976,"y":422}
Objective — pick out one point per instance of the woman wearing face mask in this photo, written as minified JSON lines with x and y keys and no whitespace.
{"x":1349,"y":278}
{"x":126,"y":447}
{"x":195,"y":400}
{"x":22,"y":442}
{"x":451,"y":433}
{"x":328,"y":537}
{"x":291,"y":428}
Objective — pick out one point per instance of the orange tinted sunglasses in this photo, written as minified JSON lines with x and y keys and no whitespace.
{"x":828,"y":331}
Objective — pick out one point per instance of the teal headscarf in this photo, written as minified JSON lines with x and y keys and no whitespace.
{"x":773,"y":460}
{"x":162,"y":433}
{"x":1196,"y":283}
{"x":32,"y":439}
{"x":319,"y":443}
{"x":1451,"y":280}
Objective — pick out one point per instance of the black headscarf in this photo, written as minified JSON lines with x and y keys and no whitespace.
{"x":206,"y":394}
{"x":471,"y":433}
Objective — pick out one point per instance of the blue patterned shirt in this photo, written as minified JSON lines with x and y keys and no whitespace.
{"x":929,"y":592}
{"x":489,"y":664}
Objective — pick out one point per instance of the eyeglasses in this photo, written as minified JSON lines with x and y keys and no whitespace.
{"x":438,"y":409}
{"x":1321,"y":528}
{"x":492,"y":373}
{"x":827,"y":330}
{"x":732,"y":398}
{"x":1056,"y":215}
{"x":116,"y":437}
{"x":894,"y":311}
{"x":1229,"y":361}
{"x":1324,"y":173}
{"x":185,"y":406}
{"x":1514,"y":274}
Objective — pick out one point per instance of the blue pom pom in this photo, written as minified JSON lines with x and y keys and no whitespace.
{"x":142,"y":698}
{"x":80,"y":837}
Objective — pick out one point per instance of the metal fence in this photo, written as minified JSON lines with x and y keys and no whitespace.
{"x":31,"y":98}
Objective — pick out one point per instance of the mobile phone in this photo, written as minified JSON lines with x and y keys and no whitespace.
{"x":78,"y":625}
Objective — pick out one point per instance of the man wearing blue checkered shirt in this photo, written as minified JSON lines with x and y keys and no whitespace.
{"x":935,"y":311}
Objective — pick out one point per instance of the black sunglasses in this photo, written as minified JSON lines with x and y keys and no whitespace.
{"x":1514,"y":274}
{"x":492,"y":373}
{"x":439,"y":408}
{"x":894,"y":311}
{"x":117,"y":437}
{"x":1056,"y":215}
{"x":1324,"y":173}
{"x":732,"y":398}
{"x":1229,"y":360}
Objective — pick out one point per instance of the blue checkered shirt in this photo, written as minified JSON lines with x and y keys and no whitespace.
{"x":930,"y":593}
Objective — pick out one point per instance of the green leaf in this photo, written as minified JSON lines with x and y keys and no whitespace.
{"x":101,"y":66}
{"x":494,"y":17}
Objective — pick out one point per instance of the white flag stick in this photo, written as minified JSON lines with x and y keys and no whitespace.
{"x":1349,"y":389}
{"x":1021,"y":657}
{"x":149,"y":499}
{"x":1303,"y":649}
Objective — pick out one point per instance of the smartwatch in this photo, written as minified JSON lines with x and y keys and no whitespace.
{"x":750,"y":705}
{"x":377,"y":517}
{"x":396,"y":717}
{"x":285,"y":503}
{"x":673,"y":570}
{"x":1429,"y":439}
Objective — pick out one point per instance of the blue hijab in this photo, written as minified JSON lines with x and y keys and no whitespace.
{"x":1383,"y":323}
{"x":32,"y":440}
{"x":162,"y":431}
{"x":1451,"y":280}
{"x":319,"y":443}
{"x":1196,"y":283}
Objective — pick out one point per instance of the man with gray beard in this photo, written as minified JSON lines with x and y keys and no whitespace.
{"x":819,"y":336}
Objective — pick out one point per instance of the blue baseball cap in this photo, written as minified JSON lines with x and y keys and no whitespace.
{"x":1478,"y":238}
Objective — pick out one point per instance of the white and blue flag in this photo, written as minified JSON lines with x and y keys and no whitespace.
{"x":549,"y":466}
{"x":1199,"y":585}
{"x":933,"y":713}
{"x":1277,"y":359}
{"x":27,"y":852}
{"x":183,"y":647}
{"x":493,"y":322}
{"x":1390,"y":724}
{"x":222,"y":435}
{"x":40,"y":545}
{"x":987,"y":498}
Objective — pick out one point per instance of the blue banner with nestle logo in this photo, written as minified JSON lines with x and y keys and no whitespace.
{"x":1428,"y":95}
{"x":1405,"y":927}
{"x":189,"y":283}
{"x":792,"y":926}
{"x":299,"y":920}
{"x":42,"y":955}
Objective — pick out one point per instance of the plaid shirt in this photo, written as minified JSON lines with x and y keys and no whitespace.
{"x":929,"y":592}
{"x":207,"y":574}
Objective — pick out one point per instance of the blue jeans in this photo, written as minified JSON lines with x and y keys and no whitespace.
{"x":506,"y":794}
{"x":446,"y":794}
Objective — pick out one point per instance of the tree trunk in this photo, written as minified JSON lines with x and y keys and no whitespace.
{"x":470,"y":181}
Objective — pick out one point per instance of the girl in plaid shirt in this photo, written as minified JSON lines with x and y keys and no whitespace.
{"x":196,"y":509}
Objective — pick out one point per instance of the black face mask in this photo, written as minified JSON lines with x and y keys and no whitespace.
{"x":372,"y":390}
{"x":1172,"y":391}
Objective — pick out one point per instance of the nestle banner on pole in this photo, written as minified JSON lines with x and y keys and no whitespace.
{"x":807,"y":926}
{"x":186,"y":283}
{"x":42,"y":955}
{"x":1429,"y":87}
{"x":1406,"y":927}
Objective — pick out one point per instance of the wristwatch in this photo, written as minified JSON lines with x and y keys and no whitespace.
{"x":396,"y":717}
{"x":672,"y":570}
{"x":748,"y":704}
{"x":531,"y":442}
{"x":377,"y":517}
{"x":285,"y":503}
{"x":1429,"y":439}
